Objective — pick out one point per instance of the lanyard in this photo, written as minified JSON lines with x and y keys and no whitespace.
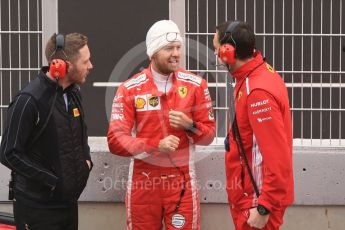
{"x":237,"y":136}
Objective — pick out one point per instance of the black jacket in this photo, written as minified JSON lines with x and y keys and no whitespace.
{"x":53,"y":169}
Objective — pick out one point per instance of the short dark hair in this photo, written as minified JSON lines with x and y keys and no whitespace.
{"x":73,"y":43}
{"x":243,"y":35}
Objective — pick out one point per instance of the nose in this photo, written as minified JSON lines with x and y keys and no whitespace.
{"x":176,"y":52}
{"x":90,"y":66}
{"x":215,"y":52}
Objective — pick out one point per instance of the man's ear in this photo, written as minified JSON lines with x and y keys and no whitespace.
{"x":153,"y":58}
{"x":69,"y":66}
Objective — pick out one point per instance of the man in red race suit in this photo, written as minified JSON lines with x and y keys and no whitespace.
{"x":261,"y":136}
{"x":158,"y":116}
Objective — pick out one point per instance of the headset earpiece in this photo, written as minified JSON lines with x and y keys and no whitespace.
{"x":227,"y":51}
{"x":58,"y":67}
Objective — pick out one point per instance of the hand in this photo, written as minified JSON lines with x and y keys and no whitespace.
{"x":256,"y":220}
{"x":88,"y":163}
{"x":168,"y":144}
{"x":179,"y":120}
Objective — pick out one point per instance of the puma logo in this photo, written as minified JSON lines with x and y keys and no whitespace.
{"x":146,"y":174}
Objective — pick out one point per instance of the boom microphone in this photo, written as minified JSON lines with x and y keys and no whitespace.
{"x":217,"y":65}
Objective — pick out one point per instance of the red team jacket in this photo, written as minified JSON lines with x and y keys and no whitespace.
{"x":264,"y":120}
{"x":138,"y":104}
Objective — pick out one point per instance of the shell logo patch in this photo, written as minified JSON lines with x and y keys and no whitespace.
{"x":76,"y":112}
{"x":270,"y":68}
{"x":182,"y":91}
{"x":140,"y":103}
{"x":153,"y":101}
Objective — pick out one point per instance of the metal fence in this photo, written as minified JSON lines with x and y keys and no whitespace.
{"x":302,"y":39}
{"x":24,"y":27}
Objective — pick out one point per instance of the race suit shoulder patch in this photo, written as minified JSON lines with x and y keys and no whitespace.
{"x":190,"y":78}
{"x":134,"y":82}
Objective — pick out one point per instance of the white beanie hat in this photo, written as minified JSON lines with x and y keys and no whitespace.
{"x":156,"y":37}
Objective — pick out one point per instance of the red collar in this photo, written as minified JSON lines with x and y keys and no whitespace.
{"x":244,"y":70}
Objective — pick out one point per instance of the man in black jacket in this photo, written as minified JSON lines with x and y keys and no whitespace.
{"x":45,"y":141}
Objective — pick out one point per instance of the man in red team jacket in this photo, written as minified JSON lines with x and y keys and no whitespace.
{"x":169,"y":110}
{"x":263,"y":118}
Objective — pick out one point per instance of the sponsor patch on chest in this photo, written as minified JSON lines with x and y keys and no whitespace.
{"x":76,"y":112}
{"x":147,"y":102}
{"x":154,"y":101}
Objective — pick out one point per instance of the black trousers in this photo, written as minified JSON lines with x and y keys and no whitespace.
{"x":29,"y":218}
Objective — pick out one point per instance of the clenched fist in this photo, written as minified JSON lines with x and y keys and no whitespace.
{"x":179,"y":120}
{"x":169,"y":144}
{"x":256,"y":220}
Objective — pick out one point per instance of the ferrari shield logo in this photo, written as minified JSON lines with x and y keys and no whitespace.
{"x":182,"y":91}
{"x":270,"y":68}
{"x":239,"y":95}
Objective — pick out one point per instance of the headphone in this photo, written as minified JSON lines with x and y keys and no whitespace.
{"x":227,"y":52}
{"x":58,"y":67}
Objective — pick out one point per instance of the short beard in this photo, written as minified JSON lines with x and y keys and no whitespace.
{"x":74,"y":74}
{"x":161,"y":69}
{"x":164,"y":71}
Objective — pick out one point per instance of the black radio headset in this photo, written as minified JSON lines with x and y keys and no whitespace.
{"x":58,"y":67}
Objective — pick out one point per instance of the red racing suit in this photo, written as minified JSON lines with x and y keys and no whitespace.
{"x":139,"y":120}
{"x":264,"y":121}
